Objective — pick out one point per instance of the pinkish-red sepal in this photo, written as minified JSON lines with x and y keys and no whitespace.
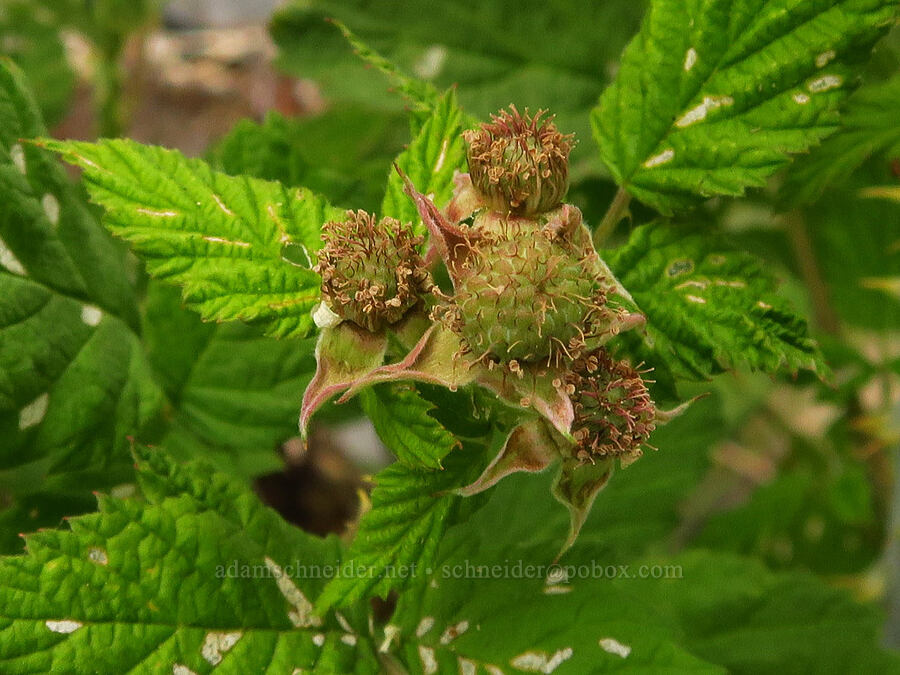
{"x":344,"y":354}
{"x":536,"y":386}
{"x":576,"y":487}
{"x":436,"y":359}
{"x":451,"y":242}
{"x":529,"y":447}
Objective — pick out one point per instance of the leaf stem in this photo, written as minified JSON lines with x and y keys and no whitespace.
{"x":108,"y":84}
{"x":825,"y":317}
{"x":614,"y":215}
{"x":890,"y":560}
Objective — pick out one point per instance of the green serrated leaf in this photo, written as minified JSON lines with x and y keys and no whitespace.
{"x":30,"y":37}
{"x":161,"y":478}
{"x":402,"y":420}
{"x":703,"y":613}
{"x":713,"y":97}
{"x":534,"y":53}
{"x":271,"y":150}
{"x":35,"y":511}
{"x":729,"y":605}
{"x":498,"y":601}
{"x":343,"y":154}
{"x":824,"y":523}
{"x":234,"y":393}
{"x":856,"y":243}
{"x":421,"y":94}
{"x":242,"y":248}
{"x":709,"y":308}
{"x":477,"y":621}
{"x":73,"y":381}
{"x":71,"y":389}
{"x":430,"y":161}
{"x":47,"y":233}
{"x":868,"y":128}
{"x":397,"y":539}
{"x":205,"y":579}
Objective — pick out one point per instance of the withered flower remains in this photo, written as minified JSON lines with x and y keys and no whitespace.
{"x":372,"y":273}
{"x":519,"y":164}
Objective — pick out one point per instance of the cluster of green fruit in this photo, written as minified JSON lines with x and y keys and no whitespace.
{"x":531,"y":298}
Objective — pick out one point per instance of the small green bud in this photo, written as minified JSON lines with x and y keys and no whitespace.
{"x":614,"y":414}
{"x":519,"y":164}
{"x":372,"y":274}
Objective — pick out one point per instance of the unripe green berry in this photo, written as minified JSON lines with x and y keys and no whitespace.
{"x":372,"y":273}
{"x":519,"y":164}
{"x":524,"y":297}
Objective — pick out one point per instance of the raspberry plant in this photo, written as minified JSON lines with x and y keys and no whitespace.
{"x":489,"y":320}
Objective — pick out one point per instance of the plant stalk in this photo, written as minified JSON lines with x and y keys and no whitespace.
{"x":614,"y":215}
{"x":825,"y":317}
{"x":108,"y":89}
{"x":891,"y":557}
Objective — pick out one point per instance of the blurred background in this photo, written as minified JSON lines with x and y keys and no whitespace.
{"x":795,"y":471}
